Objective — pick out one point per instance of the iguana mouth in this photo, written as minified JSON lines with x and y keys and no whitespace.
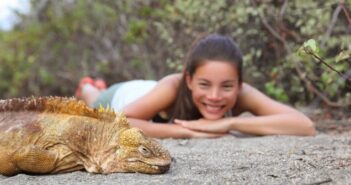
{"x":161,"y":166}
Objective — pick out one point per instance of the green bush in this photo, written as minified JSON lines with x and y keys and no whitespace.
{"x":61,"y":41}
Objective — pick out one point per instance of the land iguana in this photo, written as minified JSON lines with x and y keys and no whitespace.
{"x":49,"y":135}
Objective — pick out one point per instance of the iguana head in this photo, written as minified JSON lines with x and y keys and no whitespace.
{"x":138,"y":153}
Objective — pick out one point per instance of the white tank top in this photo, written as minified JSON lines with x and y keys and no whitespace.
{"x":129,"y":92}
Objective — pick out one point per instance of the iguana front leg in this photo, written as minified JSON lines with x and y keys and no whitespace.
{"x":30,"y":159}
{"x":6,"y":163}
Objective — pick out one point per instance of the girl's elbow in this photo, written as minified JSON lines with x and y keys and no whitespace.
{"x":310,"y":129}
{"x":307,"y":126}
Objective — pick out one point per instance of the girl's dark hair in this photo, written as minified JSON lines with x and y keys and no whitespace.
{"x":205,"y":48}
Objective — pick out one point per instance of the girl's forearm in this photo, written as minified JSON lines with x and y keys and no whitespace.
{"x":287,"y":124}
{"x":160,"y":130}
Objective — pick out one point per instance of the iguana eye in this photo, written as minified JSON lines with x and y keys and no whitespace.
{"x":144,"y":151}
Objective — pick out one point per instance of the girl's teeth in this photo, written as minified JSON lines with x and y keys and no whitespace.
{"x":213,"y":108}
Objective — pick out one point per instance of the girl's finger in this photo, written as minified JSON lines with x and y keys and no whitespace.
{"x":179,"y":122}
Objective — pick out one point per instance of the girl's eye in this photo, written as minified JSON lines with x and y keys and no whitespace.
{"x":203,"y":86}
{"x":228,"y":87}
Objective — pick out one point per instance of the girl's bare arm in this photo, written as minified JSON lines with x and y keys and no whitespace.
{"x":271,"y":117}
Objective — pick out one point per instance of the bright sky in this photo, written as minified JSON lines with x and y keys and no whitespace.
{"x":7,"y":16}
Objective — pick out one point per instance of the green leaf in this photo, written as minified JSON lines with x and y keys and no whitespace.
{"x":309,"y":47}
{"x":312,"y":44}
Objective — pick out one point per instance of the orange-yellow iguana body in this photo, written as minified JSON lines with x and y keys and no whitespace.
{"x":57,"y":135}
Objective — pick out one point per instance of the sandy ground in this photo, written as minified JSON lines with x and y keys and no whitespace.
{"x":323,"y":159}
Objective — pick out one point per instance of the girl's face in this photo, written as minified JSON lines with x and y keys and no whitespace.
{"x":214,"y":87}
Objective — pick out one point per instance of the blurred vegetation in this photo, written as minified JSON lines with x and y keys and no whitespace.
{"x":50,"y":49}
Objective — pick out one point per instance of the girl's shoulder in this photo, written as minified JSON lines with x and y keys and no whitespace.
{"x":173,"y":77}
{"x":252,"y":100}
{"x":246,"y":98}
{"x":172,"y":80}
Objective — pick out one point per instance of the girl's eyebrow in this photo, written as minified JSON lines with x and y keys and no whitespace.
{"x":224,"y":82}
{"x":230,"y":81}
{"x":203,"y":79}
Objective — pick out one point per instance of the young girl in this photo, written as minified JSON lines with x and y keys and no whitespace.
{"x":206,"y":99}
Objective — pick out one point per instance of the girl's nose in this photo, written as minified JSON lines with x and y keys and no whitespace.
{"x":214,"y":94}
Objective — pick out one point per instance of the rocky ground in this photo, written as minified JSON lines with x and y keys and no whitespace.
{"x":322,"y":159}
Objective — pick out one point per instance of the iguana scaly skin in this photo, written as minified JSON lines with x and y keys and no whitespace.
{"x":57,"y":135}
